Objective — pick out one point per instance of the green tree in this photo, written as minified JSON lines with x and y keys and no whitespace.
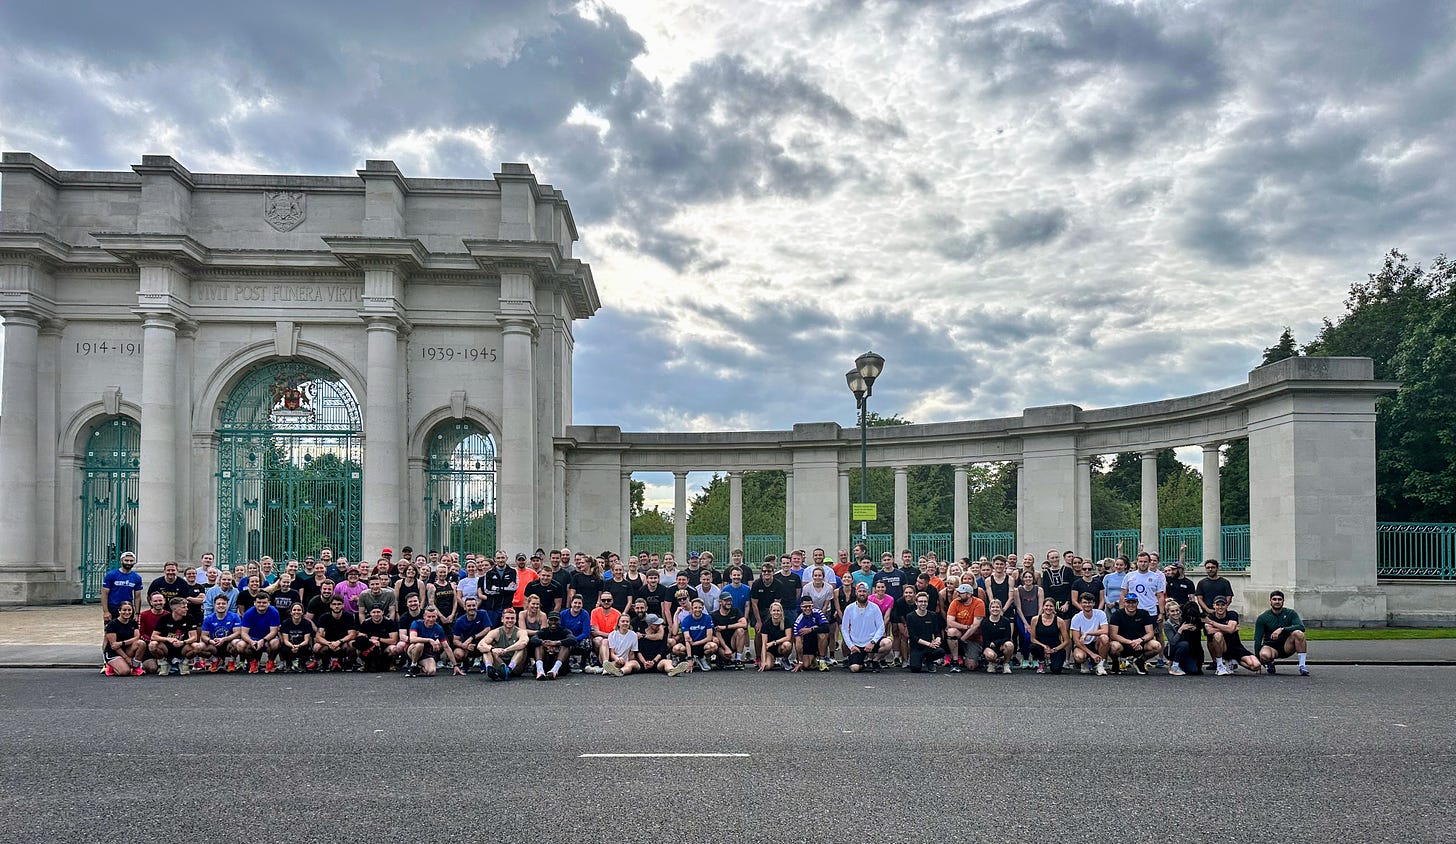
{"x":652,"y":522}
{"x":1400,"y":317}
{"x":1284,"y":348}
{"x":639,"y":496}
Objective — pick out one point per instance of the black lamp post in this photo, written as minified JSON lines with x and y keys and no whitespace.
{"x":861,"y":379}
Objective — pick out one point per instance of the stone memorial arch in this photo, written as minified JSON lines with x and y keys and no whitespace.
{"x":265,"y":364}
{"x":258,"y":365}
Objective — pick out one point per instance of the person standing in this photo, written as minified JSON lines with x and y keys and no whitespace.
{"x":121,"y":585}
{"x":1212,"y":587}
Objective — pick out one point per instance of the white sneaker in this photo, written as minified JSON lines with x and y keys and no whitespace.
{"x":1005,"y":668}
{"x":1223,"y":670}
{"x":612,"y":669}
{"x":1101,"y":670}
{"x":1174,"y":670}
{"x":593,"y":669}
{"x":704,"y":665}
{"x":680,"y":668}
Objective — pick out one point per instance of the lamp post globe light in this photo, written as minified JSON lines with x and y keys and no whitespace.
{"x":861,"y":380}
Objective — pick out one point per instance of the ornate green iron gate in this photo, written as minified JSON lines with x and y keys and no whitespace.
{"x":290,"y":466}
{"x":109,"y":494}
{"x":460,"y":489}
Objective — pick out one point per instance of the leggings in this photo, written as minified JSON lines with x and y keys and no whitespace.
{"x":1058,"y":656}
{"x":920,"y":654}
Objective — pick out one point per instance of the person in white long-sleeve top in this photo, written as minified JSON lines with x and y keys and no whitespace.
{"x":864,"y":632}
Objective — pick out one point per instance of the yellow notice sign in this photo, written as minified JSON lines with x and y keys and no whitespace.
{"x":864,"y":512}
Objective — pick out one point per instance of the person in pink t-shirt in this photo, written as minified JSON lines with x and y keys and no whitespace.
{"x":881,"y":598}
{"x":350,"y":590}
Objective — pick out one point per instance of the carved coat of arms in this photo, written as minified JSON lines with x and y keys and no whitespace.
{"x":284,"y":210}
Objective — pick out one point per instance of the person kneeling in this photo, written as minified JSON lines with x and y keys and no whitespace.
{"x":505,"y":648}
{"x":926,"y":632}
{"x":427,"y":645}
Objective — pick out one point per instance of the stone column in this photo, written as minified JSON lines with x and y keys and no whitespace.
{"x":844,"y":520}
{"x":680,"y":516}
{"x":961,"y":542}
{"x":626,"y":542}
{"x":1311,"y":424}
{"x":902,"y":510}
{"x":383,"y":435}
{"x":187,"y":535}
{"x":788,"y":510}
{"x":558,"y":508}
{"x":1212,"y":507}
{"x":17,"y":454}
{"x":157,"y":475}
{"x":735,"y":510}
{"x":518,"y":436}
{"x":1021,"y":506}
{"x":1048,"y":483}
{"x":1150,"y":501}
{"x":1084,"y":506}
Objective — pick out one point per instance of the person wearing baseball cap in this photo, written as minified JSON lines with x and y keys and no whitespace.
{"x":1224,"y":643}
{"x":1132,"y":640}
{"x":963,"y":628}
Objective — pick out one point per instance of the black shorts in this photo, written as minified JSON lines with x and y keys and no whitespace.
{"x":997,"y":644}
{"x":856,"y":658}
{"x":1234,"y":648}
{"x":1277,"y":644}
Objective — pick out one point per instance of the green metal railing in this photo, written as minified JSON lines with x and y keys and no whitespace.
{"x":1235,"y":552}
{"x":652,"y":544}
{"x":1170,"y":538}
{"x":942,"y":544}
{"x":1104,"y":543}
{"x":877,"y":543}
{"x":759,"y":545}
{"x":716,"y":543}
{"x":992,"y":543}
{"x":1415,"y":549}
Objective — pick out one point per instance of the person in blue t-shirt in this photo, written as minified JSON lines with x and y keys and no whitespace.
{"x":469,"y":629}
{"x":427,"y":644}
{"x":119,"y":585}
{"x":811,"y":635}
{"x":259,"y":637}
{"x":696,"y":645}
{"x":220,"y":635}
{"x":578,"y":622}
{"x":739,"y":591}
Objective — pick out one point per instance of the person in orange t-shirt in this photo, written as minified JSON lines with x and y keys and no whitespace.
{"x":524,"y":575}
{"x":963,"y":628}
{"x":603,"y":621}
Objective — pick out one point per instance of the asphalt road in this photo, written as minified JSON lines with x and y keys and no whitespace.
{"x":1359,"y":754}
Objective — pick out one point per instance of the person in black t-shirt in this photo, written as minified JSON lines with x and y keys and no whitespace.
{"x":1132,"y":635}
{"x":998,"y":638}
{"x":903,"y":606}
{"x":657,"y":596}
{"x":295,"y":637}
{"x":333,"y":644}
{"x":375,"y":636}
{"x":1212,"y":587}
{"x":1224,"y":644}
{"x":549,"y":589}
{"x":175,"y":639}
{"x":730,"y":631}
{"x":1180,"y":588}
{"x":123,"y":647}
{"x":926,"y":631}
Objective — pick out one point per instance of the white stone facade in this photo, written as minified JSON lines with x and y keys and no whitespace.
{"x":151,"y":295}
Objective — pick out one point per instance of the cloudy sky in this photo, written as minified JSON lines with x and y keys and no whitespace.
{"x":1017,"y":203}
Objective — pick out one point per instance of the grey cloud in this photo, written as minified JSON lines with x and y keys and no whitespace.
{"x":1028,"y":228}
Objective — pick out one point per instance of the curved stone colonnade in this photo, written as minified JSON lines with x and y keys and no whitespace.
{"x":1310,"y":423}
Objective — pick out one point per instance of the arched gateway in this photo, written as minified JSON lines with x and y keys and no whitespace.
{"x":289,"y":465}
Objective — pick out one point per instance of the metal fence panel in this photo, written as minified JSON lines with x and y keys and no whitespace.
{"x":993,"y":543}
{"x":941,"y":543}
{"x":716,"y":543}
{"x":1170,"y":538}
{"x":1415,"y":549}
{"x":1235,"y":552}
{"x":1104,"y":543}
{"x":759,"y":545}
{"x":652,"y":544}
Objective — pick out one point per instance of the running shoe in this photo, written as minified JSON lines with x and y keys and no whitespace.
{"x":213,"y":665}
{"x":183,"y":668}
{"x":1175,"y":670}
{"x":1304,"y":670}
{"x":232,"y":665}
{"x":106,"y":669}
{"x":822,"y":665}
{"x":955,"y":668}
{"x":199,"y":664}
{"x":1271,"y":669}
{"x":312,"y":665}
{"x":704,"y":664}
{"x":1086,"y":670}
{"x":1139,"y":667}
{"x":252,"y":666}
{"x":875,"y":667}
{"x":1223,"y":670}
{"x":1101,"y":670}
{"x":590,"y":669}
{"x":1040,"y":667}
{"x":681,"y":668}
{"x":1005,"y":668}
{"x":612,"y":669}
{"x":271,"y":667}
{"x":412,"y":670}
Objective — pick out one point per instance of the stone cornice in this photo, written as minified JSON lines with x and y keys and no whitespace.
{"x":149,"y":248}
{"x":406,"y":253}
{"x":546,"y":262}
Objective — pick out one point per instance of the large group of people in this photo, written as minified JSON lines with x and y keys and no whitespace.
{"x":548,"y":614}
